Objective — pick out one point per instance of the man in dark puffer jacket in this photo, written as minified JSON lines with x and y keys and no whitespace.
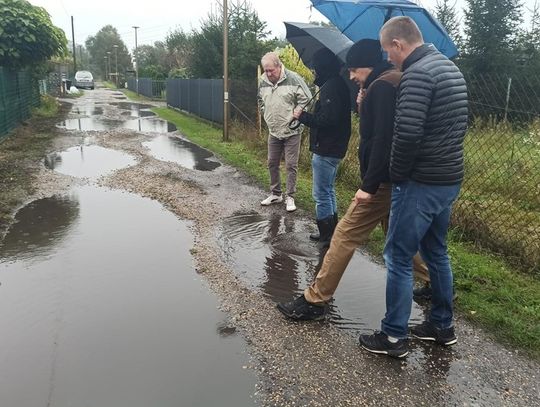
{"x":426,"y":169}
{"x":330,"y":130}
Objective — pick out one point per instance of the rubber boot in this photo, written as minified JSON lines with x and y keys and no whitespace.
{"x":326,"y":230}
{"x":317,"y":235}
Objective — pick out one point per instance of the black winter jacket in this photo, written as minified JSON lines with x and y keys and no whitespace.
{"x":377,"y":126}
{"x":330,"y":122}
{"x":431,"y":120}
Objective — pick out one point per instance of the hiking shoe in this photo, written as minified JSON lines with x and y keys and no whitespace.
{"x":289,"y":203}
{"x":301,"y":310}
{"x":314,"y":236}
{"x":272,"y":199}
{"x":429,"y":332}
{"x":379,"y":343}
{"x":423,"y":293}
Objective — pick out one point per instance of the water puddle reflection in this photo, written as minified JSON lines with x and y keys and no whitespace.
{"x":97,"y":124}
{"x":273,"y":254}
{"x":100,"y":305}
{"x":88,"y":161}
{"x":183,"y":152}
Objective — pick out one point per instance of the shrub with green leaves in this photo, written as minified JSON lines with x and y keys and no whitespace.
{"x":27,"y":35}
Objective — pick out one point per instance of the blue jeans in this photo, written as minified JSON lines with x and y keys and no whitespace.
{"x":324,"y":177}
{"x":419,"y":218}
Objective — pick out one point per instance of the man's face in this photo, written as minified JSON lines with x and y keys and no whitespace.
{"x":272,"y":72}
{"x":359,"y":75}
{"x":395,"y":51}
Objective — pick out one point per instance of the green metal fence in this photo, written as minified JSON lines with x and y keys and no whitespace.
{"x":18,"y":94}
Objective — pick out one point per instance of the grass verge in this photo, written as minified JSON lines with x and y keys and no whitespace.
{"x":490,"y":291}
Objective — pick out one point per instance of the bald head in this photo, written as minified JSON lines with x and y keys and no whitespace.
{"x":272,"y":66}
{"x":400,"y":36}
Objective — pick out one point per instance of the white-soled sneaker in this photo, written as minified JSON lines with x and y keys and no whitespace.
{"x":289,"y":203}
{"x":272,"y":199}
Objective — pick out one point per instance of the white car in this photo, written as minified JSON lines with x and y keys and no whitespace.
{"x":84,"y":79}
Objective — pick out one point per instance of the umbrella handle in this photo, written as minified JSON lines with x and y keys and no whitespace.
{"x":294,"y":124}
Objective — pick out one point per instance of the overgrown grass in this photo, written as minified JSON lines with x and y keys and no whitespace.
{"x":48,"y":108}
{"x":490,"y":291}
{"x":133,"y":95}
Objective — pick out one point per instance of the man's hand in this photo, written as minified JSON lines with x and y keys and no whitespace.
{"x":297,"y":112}
{"x":362,"y":196}
{"x":360,"y":96}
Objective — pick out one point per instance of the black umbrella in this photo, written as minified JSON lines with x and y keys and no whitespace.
{"x":307,"y":39}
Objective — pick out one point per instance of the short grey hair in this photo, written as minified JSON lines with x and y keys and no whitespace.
{"x":271,"y":57}
{"x":401,"y":28}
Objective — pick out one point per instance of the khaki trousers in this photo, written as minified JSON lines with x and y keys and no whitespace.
{"x":352,"y":231}
{"x":277,"y":148}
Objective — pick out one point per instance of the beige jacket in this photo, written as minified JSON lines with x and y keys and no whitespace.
{"x":278,"y":101}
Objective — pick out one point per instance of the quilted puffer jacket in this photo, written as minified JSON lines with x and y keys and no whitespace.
{"x":430,"y":121}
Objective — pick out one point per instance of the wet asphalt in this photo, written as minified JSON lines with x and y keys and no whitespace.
{"x":110,"y":299}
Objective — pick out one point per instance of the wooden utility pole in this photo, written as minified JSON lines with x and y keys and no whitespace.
{"x":73,"y":39}
{"x":225,"y":73}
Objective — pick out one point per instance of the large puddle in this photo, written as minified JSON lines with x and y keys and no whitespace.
{"x":273,"y":254}
{"x":183,"y":152}
{"x":99,"y":124}
{"x":88,"y":161}
{"x":100,"y":306}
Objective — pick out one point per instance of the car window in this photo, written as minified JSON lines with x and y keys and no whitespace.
{"x":83,"y":75}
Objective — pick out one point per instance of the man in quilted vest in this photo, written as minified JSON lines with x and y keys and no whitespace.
{"x":426,"y":170}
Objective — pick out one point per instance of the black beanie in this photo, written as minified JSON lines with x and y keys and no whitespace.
{"x":364,"y":54}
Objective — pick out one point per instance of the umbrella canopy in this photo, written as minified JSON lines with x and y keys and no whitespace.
{"x":307,"y":39}
{"x":359,"y":19}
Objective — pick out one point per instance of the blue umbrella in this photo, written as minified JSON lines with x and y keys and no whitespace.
{"x":359,"y":19}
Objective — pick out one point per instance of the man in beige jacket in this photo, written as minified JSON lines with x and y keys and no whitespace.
{"x":280,"y":92}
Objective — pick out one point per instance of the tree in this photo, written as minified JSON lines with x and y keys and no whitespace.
{"x":153,"y":61}
{"x":528,"y":52}
{"x":247,"y":43}
{"x":447,"y":15}
{"x":104,"y":42}
{"x":491,"y":34}
{"x":180,"y":52}
{"x":27,"y":35}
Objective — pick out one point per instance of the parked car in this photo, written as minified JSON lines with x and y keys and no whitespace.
{"x":84,"y":79}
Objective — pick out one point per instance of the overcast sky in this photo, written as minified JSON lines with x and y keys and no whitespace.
{"x":158,"y":17}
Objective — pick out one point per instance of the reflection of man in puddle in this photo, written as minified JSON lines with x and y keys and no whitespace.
{"x":280,"y":267}
{"x":378,"y":81}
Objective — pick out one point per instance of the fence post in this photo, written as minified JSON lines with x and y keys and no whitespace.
{"x":259,"y":119}
{"x":507,"y":98}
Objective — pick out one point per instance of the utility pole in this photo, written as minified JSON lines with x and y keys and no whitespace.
{"x":80,"y":56}
{"x":116,"y":63}
{"x":105,"y":58}
{"x":73,"y":39}
{"x":110,"y":69}
{"x":225,"y":73}
{"x":136,"y":61}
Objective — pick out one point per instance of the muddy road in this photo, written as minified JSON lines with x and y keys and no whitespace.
{"x":144,"y":272}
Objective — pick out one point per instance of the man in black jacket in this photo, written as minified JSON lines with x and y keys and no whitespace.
{"x":426,"y":169}
{"x":378,"y":81}
{"x":330,"y":130}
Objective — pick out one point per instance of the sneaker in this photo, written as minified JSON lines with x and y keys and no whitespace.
{"x":289,"y":202}
{"x":429,"y":332}
{"x":301,"y":310}
{"x":272,"y":199}
{"x":379,"y":343}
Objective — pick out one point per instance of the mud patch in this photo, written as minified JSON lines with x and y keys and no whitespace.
{"x":98,"y":124}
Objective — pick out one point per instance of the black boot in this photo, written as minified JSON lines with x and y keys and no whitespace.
{"x":326,"y":230}
{"x":317,"y":235}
